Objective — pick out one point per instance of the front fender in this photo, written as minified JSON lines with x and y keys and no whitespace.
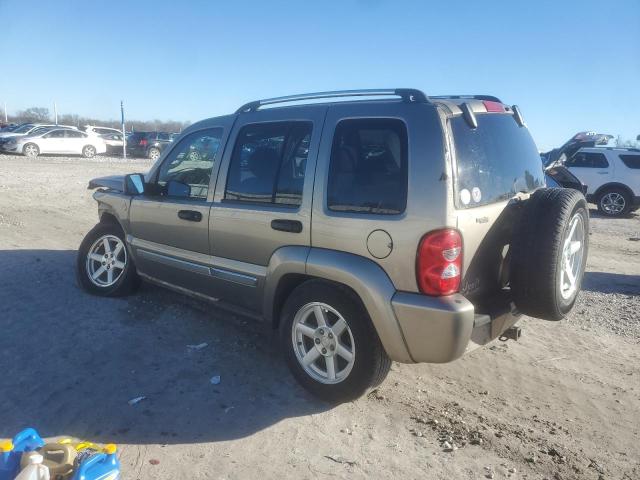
{"x":115,"y":204}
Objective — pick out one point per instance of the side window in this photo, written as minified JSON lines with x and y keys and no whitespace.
{"x":268,"y":163}
{"x":191,"y":162}
{"x":588,"y":160}
{"x":368,"y":169}
{"x":55,"y":134}
{"x":163,"y":136}
{"x":74,"y":134}
{"x":631,"y":161}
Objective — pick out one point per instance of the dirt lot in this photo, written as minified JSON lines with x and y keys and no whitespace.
{"x":562,"y":403}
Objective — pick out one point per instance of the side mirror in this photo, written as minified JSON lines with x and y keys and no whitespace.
{"x":178,"y":189}
{"x":134,"y":184}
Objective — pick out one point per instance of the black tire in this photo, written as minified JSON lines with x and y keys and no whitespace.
{"x":128,"y":281}
{"x":371,"y":363}
{"x":88,"y":151}
{"x":618,"y":193}
{"x":537,"y":250}
{"x":154,"y":153}
{"x":31,"y":150}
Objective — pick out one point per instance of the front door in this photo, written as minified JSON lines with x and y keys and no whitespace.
{"x":170,"y":222}
{"x":263,"y":197}
{"x":52,"y":142}
{"x":592,"y":168}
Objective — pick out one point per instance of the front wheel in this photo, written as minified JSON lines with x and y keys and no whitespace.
{"x":329,"y":342}
{"x":104,"y":266}
{"x":89,"y":151}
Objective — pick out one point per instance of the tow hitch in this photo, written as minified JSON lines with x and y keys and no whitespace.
{"x":511,"y":333}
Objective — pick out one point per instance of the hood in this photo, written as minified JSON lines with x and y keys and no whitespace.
{"x":113,"y":182}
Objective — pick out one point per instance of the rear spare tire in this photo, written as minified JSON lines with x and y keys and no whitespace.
{"x":549,"y":252}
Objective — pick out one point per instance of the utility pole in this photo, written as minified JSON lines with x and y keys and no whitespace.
{"x":55,"y":112}
{"x":6,"y":119}
{"x":124,"y":136}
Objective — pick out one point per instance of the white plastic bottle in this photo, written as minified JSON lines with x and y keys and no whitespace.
{"x":34,"y":470}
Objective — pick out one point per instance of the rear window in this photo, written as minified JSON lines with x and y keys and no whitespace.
{"x":494,"y":161}
{"x":631,"y":161}
{"x":587,"y":160}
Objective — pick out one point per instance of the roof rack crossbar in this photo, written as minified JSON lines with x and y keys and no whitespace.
{"x":407,"y":94}
{"x":489,"y":98}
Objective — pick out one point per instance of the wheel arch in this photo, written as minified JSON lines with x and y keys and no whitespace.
{"x":611,"y":185}
{"x":291,"y":266}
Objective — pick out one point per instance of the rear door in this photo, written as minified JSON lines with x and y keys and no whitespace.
{"x":170,"y":222}
{"x":592,"y":168}
{"x":263,"y":197}
{"x":75,"y":141}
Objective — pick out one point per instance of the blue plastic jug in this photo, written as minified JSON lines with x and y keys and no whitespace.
{"x":99,"y":466}
{"x":11,"y":452}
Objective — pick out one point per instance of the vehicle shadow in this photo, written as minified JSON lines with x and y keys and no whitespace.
{"x":595,"y":213}
{"x":605,"y":282}
{"x":72,"y":361}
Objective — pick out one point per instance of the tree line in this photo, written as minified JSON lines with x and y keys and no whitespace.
{"x":43,"y":115}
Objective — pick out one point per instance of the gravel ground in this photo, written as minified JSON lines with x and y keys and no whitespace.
{"x":561,"y":403}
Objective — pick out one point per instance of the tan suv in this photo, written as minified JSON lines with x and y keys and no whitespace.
{"x":392,"y":227}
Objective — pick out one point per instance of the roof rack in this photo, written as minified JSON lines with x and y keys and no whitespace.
{"x":407,"y":94}
{"x":489,"y":98}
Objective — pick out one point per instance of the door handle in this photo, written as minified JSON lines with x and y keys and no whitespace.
{"x":603,"y":173}
{"x":190,"y":215}
{"x":293,"y":226}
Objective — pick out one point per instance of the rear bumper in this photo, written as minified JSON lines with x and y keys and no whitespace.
{"x":442,"y":329}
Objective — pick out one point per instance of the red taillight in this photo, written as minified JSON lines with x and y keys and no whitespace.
{"x":143,"y":142}
{"x":494,"y":106}
{"x":439,"y":262}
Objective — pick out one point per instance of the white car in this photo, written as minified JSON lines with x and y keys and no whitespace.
{"x":612,"y":176}
{"x":95,"y":130}
{"x":58,"y":140}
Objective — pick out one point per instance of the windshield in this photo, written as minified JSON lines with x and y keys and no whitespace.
{"x":494,"y":161}
{"x":23,"y":129}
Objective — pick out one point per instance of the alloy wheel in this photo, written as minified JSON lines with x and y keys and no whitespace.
{"x":572,"y":252}
{"x":106,"y":261}
{"x":613,"y":203}
{"x":323,"y":343}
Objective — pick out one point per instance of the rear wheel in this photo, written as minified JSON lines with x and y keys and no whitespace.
{"x":614,"y":202}
{"x":31,"y":150}
{"x":89,"y":151}
{"x":549,"y":253}
{"x":154,"y":153}
{"x":104,"y":266}
{"x":329,"y":342}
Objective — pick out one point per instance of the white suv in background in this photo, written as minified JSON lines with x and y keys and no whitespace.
{"x":612,"y":176}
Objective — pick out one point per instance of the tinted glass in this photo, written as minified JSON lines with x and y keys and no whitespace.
{"x":269,"y":162}
{"x":74,"y":134}
{"x":631,"y":161}
{"x":163,"y":136}
{"x":494,"y":161}
{"x":191,"y":162}
{"x":368,"y":169}
{"x":587,"y":160}
{"x":55,"y":134}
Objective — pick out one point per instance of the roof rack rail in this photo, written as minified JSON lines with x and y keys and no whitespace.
{"x":407,"y":94}
{"x":489,"y":98}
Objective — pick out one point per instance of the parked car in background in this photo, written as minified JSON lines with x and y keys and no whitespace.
{"x":114,"y":142}
{"x":56,"y":140}
{"x":612,"y":176}
{"x":95,"y":130}
{"x":147,"y":144}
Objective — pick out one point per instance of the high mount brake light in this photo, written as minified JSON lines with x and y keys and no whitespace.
{"x":495,"y":107}
{"x":439,"y":262}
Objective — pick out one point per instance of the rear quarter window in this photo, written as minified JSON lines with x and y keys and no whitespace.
{"x":494,"y":161}
{"x":368,"y":169}
{"x":631,"y":161}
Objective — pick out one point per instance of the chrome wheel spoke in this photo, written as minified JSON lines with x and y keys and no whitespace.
{"x":331,"y":368}
{"x":305,"y":330}
{"x":118,"y":265}
{"x":311,"y":356}
{"x":99,"y":272}
{"x":339,"y":327}
{"x":320,"y":315}
{"x":96,"y":257}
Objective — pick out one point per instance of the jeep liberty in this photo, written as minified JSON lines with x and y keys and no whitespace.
{"x":365,"y":226}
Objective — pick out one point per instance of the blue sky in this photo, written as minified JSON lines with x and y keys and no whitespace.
{"x":570,"y":65}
